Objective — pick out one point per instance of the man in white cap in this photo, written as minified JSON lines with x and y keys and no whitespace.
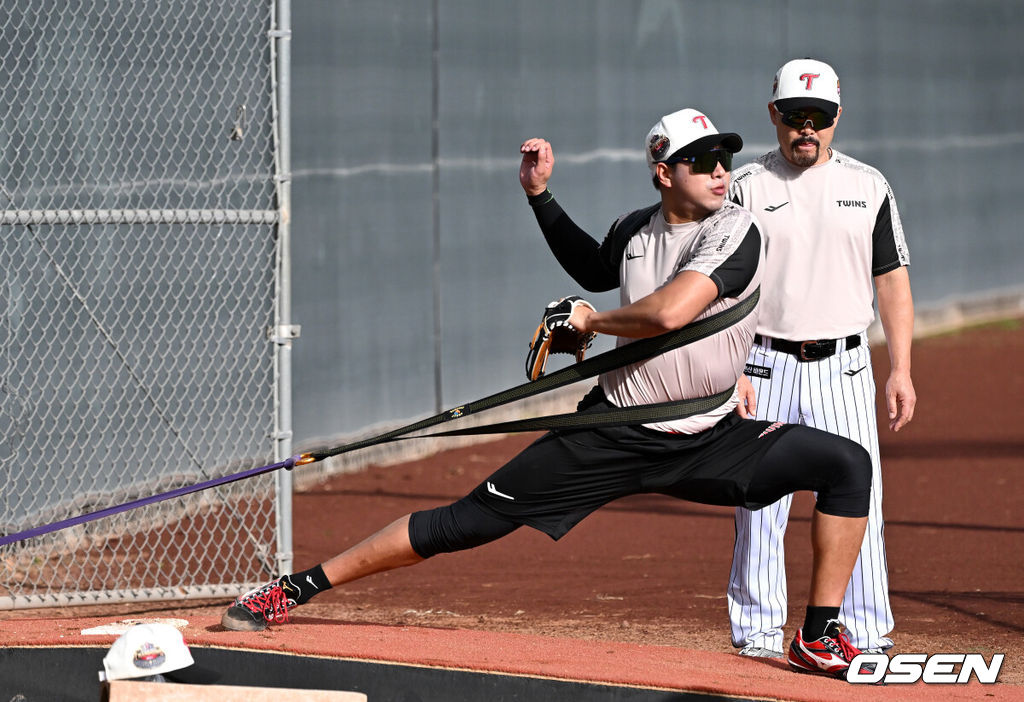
{"x":691,"y":255}
{"x":833,"y":239}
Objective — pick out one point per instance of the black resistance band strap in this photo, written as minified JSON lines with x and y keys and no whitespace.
{"x":632,"y":352}
{"x":616,"y":416}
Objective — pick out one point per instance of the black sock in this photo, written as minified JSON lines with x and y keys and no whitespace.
{"x":309,"y":582}
{"x":816,"y":620}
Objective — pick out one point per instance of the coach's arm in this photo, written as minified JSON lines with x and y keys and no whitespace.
{"x":896,"y":311}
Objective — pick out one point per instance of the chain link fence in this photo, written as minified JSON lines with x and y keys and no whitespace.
{"x":138,"y":278}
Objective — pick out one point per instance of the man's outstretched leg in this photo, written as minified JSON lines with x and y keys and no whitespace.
{"x":406,"y":541}
{"x":388,"y":549}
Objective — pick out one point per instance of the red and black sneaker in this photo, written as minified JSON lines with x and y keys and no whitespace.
{"x":829,"y":655}
{"x":257,"y":608}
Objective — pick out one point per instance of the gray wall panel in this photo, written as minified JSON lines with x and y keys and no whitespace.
{"x":932,"y":91}
{"x":362,"y":197}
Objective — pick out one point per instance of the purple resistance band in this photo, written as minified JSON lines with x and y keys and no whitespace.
{"x":117,"y":509}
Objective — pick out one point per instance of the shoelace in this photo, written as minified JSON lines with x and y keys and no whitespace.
{"x":269,"y":597}
{"x":846,"y":649}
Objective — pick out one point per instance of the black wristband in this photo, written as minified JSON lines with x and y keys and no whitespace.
{"x":540,"y":199}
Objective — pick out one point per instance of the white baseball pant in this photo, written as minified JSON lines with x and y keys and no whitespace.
{"x":835,"y":394}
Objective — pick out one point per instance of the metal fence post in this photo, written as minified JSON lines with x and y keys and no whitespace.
{"x":285,"y":331}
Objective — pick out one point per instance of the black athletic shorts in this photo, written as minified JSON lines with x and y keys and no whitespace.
{"x":564,"y":476}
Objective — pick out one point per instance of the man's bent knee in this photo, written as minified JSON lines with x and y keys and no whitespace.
{"x":848,"y":493}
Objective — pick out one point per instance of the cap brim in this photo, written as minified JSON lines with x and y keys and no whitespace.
{"x":731,"y":141}
{"x":828,"y":107}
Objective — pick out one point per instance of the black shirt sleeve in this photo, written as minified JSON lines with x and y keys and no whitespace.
{"x":735,"y":273}
{"x":884,"y":256}
{"x":575,"y":250}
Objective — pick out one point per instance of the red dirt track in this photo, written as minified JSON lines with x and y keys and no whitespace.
{"x":636,"y":593}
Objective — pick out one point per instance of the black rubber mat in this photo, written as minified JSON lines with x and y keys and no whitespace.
{"x":29,"y":674}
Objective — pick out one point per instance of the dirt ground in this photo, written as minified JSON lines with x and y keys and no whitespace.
{"x":653,"y":570}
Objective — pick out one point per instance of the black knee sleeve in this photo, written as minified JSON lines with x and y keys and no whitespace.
{"x":848,"y":491}
{"x":836,"y":468}
{"x":455,"y":527}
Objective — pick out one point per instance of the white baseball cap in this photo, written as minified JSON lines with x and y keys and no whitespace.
{"x":148,"y":649}
{"x":687,"y":132}
{"x":806,"y":83}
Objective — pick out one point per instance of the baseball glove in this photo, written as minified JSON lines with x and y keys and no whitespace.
{"x":556,"y":335}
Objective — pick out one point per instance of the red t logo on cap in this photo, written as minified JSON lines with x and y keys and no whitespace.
{"x":702,"y":119}
{"x":809,"y":78}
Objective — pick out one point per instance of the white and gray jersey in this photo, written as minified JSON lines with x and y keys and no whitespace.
{"x":727,"y":247}
{"x":829,"y":229}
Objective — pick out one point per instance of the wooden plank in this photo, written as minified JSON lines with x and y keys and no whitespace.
{"x":134,"y":691}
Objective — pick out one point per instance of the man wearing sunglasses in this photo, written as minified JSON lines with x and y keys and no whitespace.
{"x":833,"y":239}
{"x":690,"y":255}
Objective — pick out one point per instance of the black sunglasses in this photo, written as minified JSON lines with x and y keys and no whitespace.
{"x":798,"y":118}
{"x":707,"y":161}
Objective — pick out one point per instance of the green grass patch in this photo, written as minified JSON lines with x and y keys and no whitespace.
{"x":1008,"y":325}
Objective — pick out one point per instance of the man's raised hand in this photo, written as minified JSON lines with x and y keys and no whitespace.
{"x":535,"y":170}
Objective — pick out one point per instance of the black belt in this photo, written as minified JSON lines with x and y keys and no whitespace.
{"x":807,"y":350}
